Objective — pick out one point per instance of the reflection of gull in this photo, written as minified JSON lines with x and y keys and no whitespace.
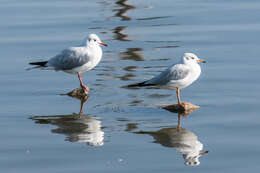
{"x":76,"y":60}
{"x":77,"y":128}
{"x":182,"y":140}
{"x":82,"y":129}
{"x":177,"y":76}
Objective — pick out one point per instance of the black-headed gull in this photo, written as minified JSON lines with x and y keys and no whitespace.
{"x":177,"y":76}
{"x":76,"y":60}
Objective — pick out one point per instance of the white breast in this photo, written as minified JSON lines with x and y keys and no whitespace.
{"x":94,"y":56}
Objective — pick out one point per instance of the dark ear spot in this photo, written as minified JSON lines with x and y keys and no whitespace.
{"x":187,"y":58}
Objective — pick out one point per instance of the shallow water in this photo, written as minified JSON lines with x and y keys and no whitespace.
{"x":124,"y":130}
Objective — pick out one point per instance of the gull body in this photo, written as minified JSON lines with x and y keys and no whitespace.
{"x":177,"y":76}
{"x":76,"y":60}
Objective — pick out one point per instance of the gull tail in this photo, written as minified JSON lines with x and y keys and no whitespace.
{"x":39,"y":64}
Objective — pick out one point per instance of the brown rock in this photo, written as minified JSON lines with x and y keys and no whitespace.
{"x":184,"y":109}
{"x":78,"y":93}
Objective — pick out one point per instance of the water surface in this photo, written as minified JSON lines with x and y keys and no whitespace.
{"x":123,"y":130}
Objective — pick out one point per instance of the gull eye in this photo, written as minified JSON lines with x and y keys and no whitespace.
{"x":95,"y":40}
{"x":192,"y":58}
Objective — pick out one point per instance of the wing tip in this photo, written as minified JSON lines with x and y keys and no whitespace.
{"x":41,"y":63}
{"x":137,"y":85}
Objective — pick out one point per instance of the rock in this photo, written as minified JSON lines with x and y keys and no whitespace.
{"x":78,"y":93}
{"x":184,"y":109}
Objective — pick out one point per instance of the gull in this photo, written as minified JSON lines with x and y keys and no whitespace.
{"x":76,"y":60}
{"x":177,"y":76}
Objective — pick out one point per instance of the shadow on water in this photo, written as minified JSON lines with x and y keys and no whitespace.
{"x":182,"y":140}
{"x":77,"y":127}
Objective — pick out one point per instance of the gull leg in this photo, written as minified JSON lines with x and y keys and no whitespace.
{"x":82,"y":102}
{"x":81,"y":107}
{"x":178,"y":96}
{"x":179,"y":122}
{"x":81,"y":83}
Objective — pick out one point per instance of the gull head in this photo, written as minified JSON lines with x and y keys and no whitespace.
{"x":192,"y":58}
{"x":93,"y":39}
{"x":192,"y":161}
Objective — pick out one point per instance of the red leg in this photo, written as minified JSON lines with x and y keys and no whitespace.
{"x":82,"y":102}
{"x":81,"y":83}
{"x":179,"y":122}
{"x":178,"y":96}
{"x":81,"y":108}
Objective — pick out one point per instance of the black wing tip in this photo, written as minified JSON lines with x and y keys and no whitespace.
{"x":136,"y":85}
{"x":41,"y":63}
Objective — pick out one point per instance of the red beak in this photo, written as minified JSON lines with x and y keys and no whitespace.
{"x":103,"y":44}
{"x":203,"y":153}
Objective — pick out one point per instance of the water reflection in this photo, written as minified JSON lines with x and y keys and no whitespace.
{"x":123,"y":10}
{"x":76,"y":127}
{"x":126,"y":77}
{"x":119,"y":35}
{"x":181,"y":139}
{"x":132,"y":54}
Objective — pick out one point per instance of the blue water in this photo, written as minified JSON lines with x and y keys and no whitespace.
{"x":124,"y":130}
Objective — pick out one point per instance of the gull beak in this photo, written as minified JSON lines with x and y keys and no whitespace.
{"x":103,"y":44}
{"x":203,"y":153}
{"x":201,"y":60}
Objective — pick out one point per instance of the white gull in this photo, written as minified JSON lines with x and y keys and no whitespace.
{"x":76,"y":60}
{"x":177,"y":76}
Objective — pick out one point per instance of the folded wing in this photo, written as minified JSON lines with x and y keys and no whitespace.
{"x":69,"y":59}
{"x":173,"y":73}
